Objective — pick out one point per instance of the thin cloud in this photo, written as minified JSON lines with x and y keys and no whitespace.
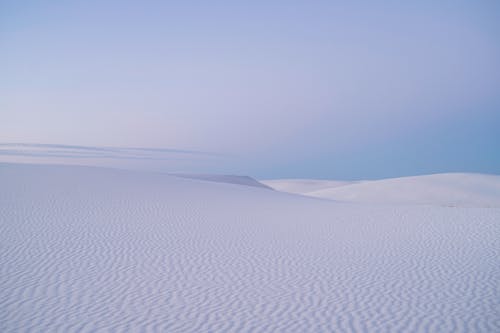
{"x":40,"y":150}
{"x":108,"y":149}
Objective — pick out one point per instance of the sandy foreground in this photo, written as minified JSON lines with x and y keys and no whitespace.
{"x":92,"y":249}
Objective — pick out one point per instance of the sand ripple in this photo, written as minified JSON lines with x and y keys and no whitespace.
{"x":86,"y":250}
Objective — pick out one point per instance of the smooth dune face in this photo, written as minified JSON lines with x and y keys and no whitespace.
{"x":452,"y":189}
{"x":89,"y":249}
{"x":304,"y":186}
{"x":228,"y":179}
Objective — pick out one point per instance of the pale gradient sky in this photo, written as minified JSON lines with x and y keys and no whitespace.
{"x":312,"y":89}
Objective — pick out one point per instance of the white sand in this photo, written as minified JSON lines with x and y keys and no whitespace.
{"x":448,"y":189}
{"x":89,"y":249}
{"x":230,"y":179}
{"x":304,"y":186}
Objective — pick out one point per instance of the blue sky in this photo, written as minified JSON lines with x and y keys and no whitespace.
{"x":318,"y":89}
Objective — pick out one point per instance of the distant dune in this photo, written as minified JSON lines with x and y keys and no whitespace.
{"x":87,"y":249}
{"x":449,"y":189}
{"x":304,"y":186}
{"x":229,"y":179}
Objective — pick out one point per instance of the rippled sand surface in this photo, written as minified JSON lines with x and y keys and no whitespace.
{"x":90,"y":249}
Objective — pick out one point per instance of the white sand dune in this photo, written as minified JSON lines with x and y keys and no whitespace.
{"x":304,"y":186}
{"x":90,"y":249}
{"x":229,"y":179}
{"x":449,"y":189}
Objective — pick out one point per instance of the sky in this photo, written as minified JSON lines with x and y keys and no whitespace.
{"x":271,"y":89}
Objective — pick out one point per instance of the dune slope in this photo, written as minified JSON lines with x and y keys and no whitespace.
{"x":452,"y":189}
{"x":229,"y":179}
{"x":304,"y":186}
{"x":89,"y":249}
